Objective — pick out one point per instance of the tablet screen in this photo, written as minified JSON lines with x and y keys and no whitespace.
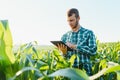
{"x":61,"y":42}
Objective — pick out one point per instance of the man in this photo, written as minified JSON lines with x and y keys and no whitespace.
{"x":81,"y":40}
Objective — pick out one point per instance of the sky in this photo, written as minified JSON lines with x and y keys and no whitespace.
{"x":46,"y":20}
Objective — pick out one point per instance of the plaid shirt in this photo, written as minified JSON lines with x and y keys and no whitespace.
{"x":85,"y":42}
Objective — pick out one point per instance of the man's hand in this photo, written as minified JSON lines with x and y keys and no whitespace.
{"x":73,"y":46}
{"x":62,"y":48}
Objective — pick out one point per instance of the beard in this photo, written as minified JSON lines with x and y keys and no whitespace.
{"x":76,"y":24}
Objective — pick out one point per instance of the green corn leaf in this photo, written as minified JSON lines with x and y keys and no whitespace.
{"x":113,"y":69}
{"x":6,"y":55}
{"x":23,"y":70}
{"x":72,"y":59}
{"x":71,"y":73}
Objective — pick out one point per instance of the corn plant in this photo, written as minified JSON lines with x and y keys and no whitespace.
{"x":107,"y":53}
{"x":32,"y":62}
{"x":6,"y":56}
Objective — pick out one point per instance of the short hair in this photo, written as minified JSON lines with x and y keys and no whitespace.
{"x":73,"y":11}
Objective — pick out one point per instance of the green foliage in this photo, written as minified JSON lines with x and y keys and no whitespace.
{"x":32,"y":62}
{"x":108,"y":55}
{"x":51,"y":64}
{"x":7,"y":58}
{"x":71,"y":73}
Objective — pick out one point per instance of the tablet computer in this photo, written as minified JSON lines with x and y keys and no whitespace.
{"x":61,"y":42}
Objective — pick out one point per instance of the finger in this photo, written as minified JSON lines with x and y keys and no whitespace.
{"x":64,"y":46}
{"x":61,"y":45}
{"x":58,"y":45}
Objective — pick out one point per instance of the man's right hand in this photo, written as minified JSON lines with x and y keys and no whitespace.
{"x":62,"y":48}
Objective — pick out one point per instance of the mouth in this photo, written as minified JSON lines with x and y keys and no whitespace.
{"x":72,"y":26}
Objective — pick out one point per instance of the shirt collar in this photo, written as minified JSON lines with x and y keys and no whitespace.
{"x":78,"y":29}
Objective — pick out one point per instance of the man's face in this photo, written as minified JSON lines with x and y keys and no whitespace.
{"x":73,"y":21}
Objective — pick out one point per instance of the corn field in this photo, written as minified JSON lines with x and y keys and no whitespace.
{"x":31,"y":61}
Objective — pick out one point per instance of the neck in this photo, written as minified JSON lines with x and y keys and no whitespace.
{"x":76,"y":28}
